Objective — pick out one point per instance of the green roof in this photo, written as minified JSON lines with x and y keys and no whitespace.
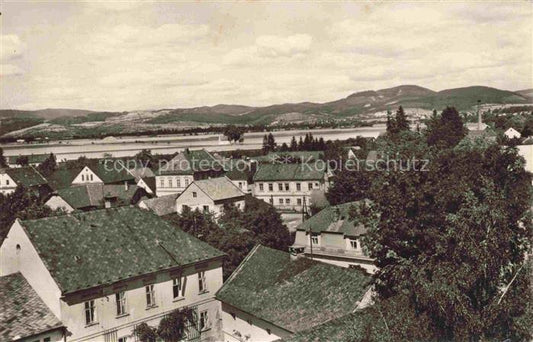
{"x":92,"y":195}
{"x":219,"y":188}
{"x":32,"y":158}
{"x":27,"y":176}
{"x":188,"y":162}
{"x":94,"y":248}
{"x":23,"y":313}
{"x":292,"y":294}
{"x":334,"y":219}
{"x":287,"y":172}
{"x":305,"y":156}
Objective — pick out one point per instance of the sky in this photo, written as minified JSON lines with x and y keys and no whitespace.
{"x":122,"y":56}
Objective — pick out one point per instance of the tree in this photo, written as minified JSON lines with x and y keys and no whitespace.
{"x":172,"y":327}
{"x":48,"y":166}
{"x":234,"y":133}
{"x":446,"y":130}
{"x":269,"y":143}
{"x":449,"y":240}
{"x":3,"y":161}
{"x":401,"y":120}
{"x":145,"y":157}
{"x":294,"y":144}
{"x":350,"y":185}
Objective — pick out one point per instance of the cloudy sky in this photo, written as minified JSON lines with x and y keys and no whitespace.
{"x":127,"y":55}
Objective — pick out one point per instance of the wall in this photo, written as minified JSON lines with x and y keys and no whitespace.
{"x":142,"y":184}
{"x":526,"y":151}
{"x":292,"y":194}
{"x":187,"y":198}
{"x":56,"y":202}
{"x":6,"y":188}
{"x":54,"y":335}
{"x":235,"y":322}
{"x":107,"y":320}
{"x":164,"y":188}
{"x":28,"y":262}
{"x":85,"y":175}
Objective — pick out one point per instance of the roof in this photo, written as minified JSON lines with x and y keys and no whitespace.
{"x":163,"y":205}
{"x":188,"y":162}
{"x":27,"y":176}
{"x":292,"y":294}
{"x":32,"y":158}
{"x":334,"y":219}
{"x":219,"y":188}
{"x":237,"y":169}
{"x":89,"y":249}
{"x":23,"y":312}
{"x":305,"y":156}
{"x":282,"y":172}
{"x":141,"y":172}
{"x":93,"y":195}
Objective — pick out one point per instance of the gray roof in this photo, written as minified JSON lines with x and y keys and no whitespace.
{"x":163,"y":205}
{"x":219,"y":188}
{"x":335,"y":219}
{"x":288,"y":172}
{"x":23,"y":313}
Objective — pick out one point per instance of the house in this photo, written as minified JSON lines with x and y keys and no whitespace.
{"x":331,"y":236}
{"x":24,"y":316}
{"x":240,"y":172}
{"x":512,"y":133}
{"x":144,"y":178}
{"x":272,"y":295}
{"x":161,"y":206}
{"x":210,"y":195}
{"x":351,"y":151}
{"x":93,"y":196}
{"x":26,"y":176}
{"x":91,"y":172}
{"x":290,"y":157}
{"x":289,"y":186}
{"x":103,"y":272}
{"x":526,"y":151}
{"x":187,"y":166}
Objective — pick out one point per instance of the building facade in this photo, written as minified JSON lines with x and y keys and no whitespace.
{"x":129,"y":267}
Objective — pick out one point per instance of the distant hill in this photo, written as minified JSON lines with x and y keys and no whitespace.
{"x":364,"y":104}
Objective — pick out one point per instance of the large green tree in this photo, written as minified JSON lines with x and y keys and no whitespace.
{"x":445,"y":130}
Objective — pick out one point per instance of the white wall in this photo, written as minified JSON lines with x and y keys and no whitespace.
{"x":293,"y":194}
{"x":86,"y":176}
{"x":142,"y":184}
{"x":27,"y":261}
{"x":54,"y":335}
{"x":236,"y":322}
{"x":56,"y":202}
{"x":168,"y":185}
{"x":526,"y":151}
{"x":7,"y":184}
{"x":187,"y":198}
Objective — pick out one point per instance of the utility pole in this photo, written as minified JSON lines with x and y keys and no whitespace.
{"x":311,"y":242}
{"x":478,"y":116}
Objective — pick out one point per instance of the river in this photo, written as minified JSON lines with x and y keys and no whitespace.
{"x":166,"y":144}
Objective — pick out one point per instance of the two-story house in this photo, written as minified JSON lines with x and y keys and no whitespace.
{"x":175,"y":175}
{"x":103,"y":272}
{"x":23,"y":316}
{"x":210,"y":195}
{"x":289,"y":186}
{"x":272,"y":295}
{"x":26,"y":176}
{"x":332,"y":236}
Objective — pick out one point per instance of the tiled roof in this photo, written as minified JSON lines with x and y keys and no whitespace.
{"x":282,"y":172}
{"x":306,"y":156}
{"x":141,"y":172}
{"x":32,"y":158}
{"x":219,"y":188}
{"x":334,"y":219}
{"x":27,"y":176}
{"x":93,"y":195}
{"x":22,"y":312}
{"x":85,"y":250}
{"x":163,"y":205}
{"x":188,"y":162}
{"x":292,"y":294}
{"x":63,"y":176}
{"x":238,"y":169}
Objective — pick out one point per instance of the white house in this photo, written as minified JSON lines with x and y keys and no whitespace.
{"x":512,"y":133}
{"x":331,"y":236}
{"x":26,"y":176}
{"x":210,"y":195}
{"x":290,"y":186}
{"x":272,"y":295}
{"x":103,"y":272}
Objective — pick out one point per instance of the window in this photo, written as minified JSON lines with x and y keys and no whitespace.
{"x":120,"y":297}
{"x":186,"y":181}
{"x":178,"y":182}
{"x":354,"y":244}
{"x":194,"y":194}
{"x":299,"y":201}
{"x":162,"y":183}
{"x":270,"y":187}
{"x":310,"y":186}
{"x":83,"y":178}
{"x":280,"y":186}
{"x":7,"y":181}
{"x":287,"y":201}
{"x":261,"y":187}
{"x":314,"y":239}
{"x":316,"y":185}
{"x":178,"y":287}
{"x":240,"y":185}
{"x":281,"y":201}
{"x":91,"y":177}
{"x":287,"y":187}
{"x":298,"y":186}
{"x":206,"y":208}
{"x":90,"y":312}
{"x":47,"y":339}
{"x":204,"y":320}
{"x":122,"y":339}
{"x":202,"y":285}
{"x":170,"y":182}
{"x":150,"y":296}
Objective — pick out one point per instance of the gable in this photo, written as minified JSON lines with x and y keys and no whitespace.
{"x":86,"y":175}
